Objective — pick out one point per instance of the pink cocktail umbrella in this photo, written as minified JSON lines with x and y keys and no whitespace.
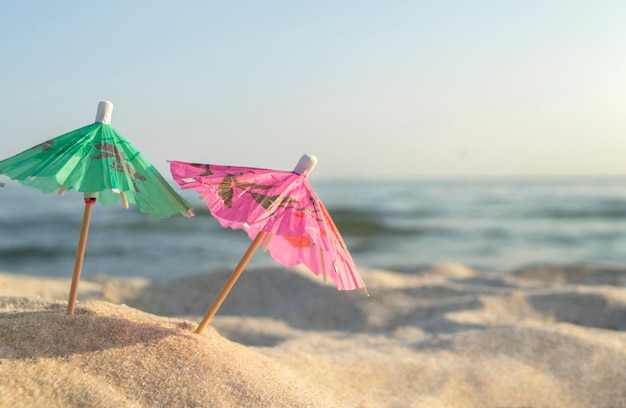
{"x":280,"y":211}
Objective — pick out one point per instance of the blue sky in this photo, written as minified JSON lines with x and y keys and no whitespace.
{"x":373,"y":89}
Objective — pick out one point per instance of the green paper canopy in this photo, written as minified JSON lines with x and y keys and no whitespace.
{"x":96,"y":159}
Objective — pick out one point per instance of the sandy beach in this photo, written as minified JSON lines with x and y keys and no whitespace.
{"x":442,"y":335}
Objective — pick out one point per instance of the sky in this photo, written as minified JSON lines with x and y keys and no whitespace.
{"x":393,"y":89}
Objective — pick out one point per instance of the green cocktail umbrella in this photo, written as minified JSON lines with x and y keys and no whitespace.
{"x":98,"y":161}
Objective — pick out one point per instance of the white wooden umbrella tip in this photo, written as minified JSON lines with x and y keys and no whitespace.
{"x":306,"y":164}
{"x":105,"y":110}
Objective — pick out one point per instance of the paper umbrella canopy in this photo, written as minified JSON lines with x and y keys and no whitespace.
{"x":280,"y":211}
{"x":99,"y":162}
{"x":97,"y":159}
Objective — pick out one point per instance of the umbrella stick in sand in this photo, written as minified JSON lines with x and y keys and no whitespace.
{"x":103,"y":115}
{"x":90,"y":200}
{"x":231,"y":282}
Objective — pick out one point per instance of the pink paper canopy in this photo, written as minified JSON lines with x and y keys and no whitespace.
{"x":281,"y":203}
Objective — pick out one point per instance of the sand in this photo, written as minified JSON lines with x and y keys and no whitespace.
{"x":441,"y":335}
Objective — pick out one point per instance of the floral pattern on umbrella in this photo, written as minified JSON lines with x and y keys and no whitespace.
{"x":280,"y":203}
{"x":97,"y":159}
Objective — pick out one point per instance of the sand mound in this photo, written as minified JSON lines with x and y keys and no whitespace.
{"x":579,"y":274}
{"x":109,"y":355}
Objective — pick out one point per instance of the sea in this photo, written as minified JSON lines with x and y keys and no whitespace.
{"x":492,"y":224}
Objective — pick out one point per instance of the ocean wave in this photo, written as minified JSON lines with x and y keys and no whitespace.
{"x":369,"y":227}
{"x":339,"y":213}
{"x":378,"y":221}
{"x":21,"y":222}
{"x":33,"y":253}
{"x":613,"y":210}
